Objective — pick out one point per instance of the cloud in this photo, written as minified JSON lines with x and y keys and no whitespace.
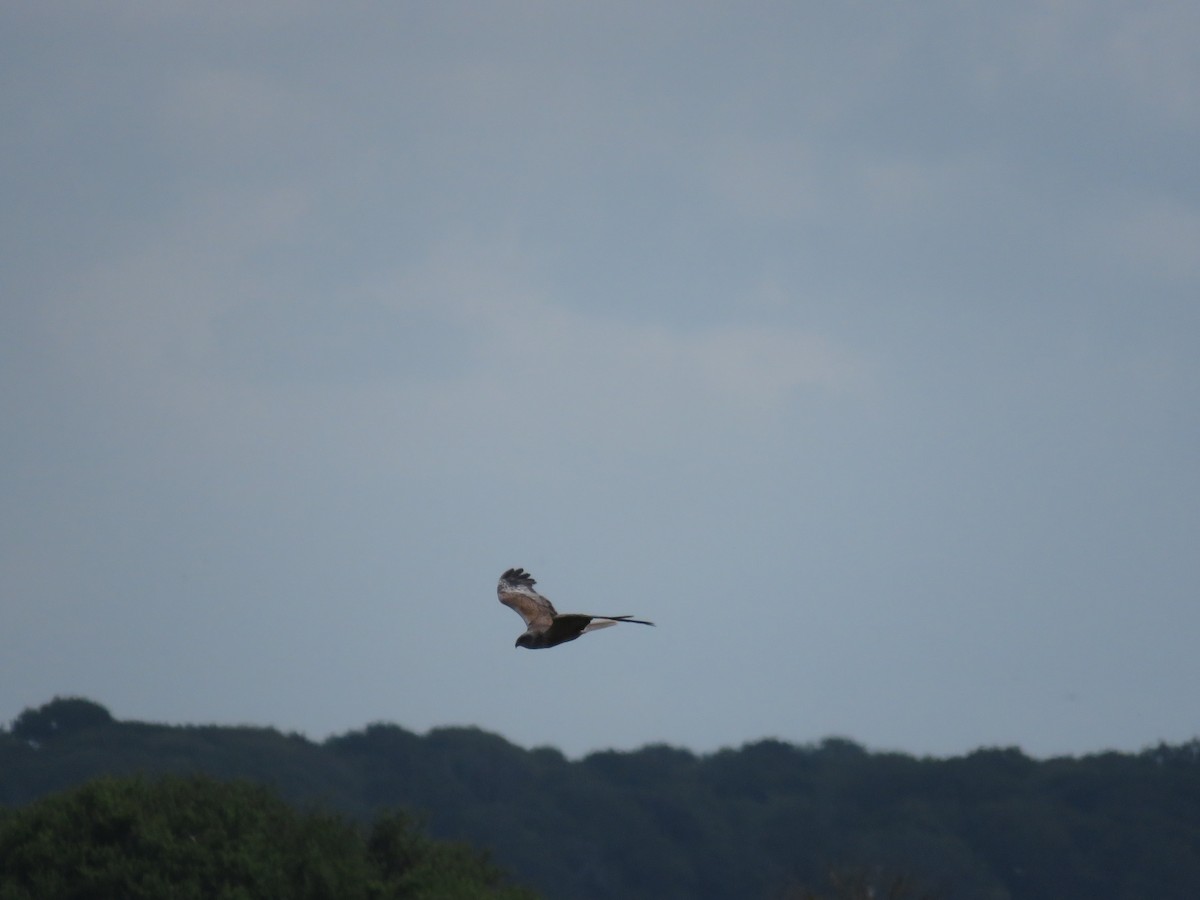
{"x":233,"y":116}
{"x":1161,"y":237}
{"x":888,"y":314}
{"x":1140,"y":54}
{"x":189,"y":344}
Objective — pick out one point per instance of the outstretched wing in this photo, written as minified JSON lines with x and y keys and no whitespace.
{"x":569,"y":626}
{"x":515,"y":591}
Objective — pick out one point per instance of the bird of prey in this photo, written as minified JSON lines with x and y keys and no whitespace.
{"x":545,"y":626}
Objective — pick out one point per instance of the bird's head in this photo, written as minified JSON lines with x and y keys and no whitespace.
{"x":525,"y":640}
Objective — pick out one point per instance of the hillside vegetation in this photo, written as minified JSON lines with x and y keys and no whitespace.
{"x":762,"y":820}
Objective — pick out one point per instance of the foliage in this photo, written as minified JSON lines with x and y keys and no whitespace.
{"x":194,"y":837}
{"x":61,"y":716}
{"x":764,"y":820}
{"x":863,"y":885}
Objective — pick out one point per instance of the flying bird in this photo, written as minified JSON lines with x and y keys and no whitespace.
{"x":545,"y":626}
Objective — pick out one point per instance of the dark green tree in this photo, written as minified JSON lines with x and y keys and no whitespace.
{"x":194,"y":837}
{"x":862,"y":884}
{"x":61,"y":716}
{"x":411,"y":865}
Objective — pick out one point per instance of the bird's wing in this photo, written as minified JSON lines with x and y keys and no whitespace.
{"x":515,"y":591}
{"x":569,"y":626}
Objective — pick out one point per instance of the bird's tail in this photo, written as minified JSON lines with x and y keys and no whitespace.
{"x":614,"y":619}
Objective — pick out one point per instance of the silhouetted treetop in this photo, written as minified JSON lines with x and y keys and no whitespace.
{"x":61,"y":716}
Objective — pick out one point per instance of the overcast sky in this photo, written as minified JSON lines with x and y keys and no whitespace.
{"x":855,"y":344}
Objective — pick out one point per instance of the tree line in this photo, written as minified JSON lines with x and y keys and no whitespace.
{"x":769,"y":819}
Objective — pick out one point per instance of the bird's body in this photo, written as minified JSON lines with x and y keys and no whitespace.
{"x":545,"y":626}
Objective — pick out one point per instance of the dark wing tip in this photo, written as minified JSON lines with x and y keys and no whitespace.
{"x":517,"y":576}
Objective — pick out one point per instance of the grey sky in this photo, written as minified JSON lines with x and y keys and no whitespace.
{"x":855,"y":344}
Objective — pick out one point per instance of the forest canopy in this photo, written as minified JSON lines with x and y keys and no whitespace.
{"x":764,"y":820}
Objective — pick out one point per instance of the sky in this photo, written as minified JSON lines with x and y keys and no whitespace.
{"x":854,"y":344}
